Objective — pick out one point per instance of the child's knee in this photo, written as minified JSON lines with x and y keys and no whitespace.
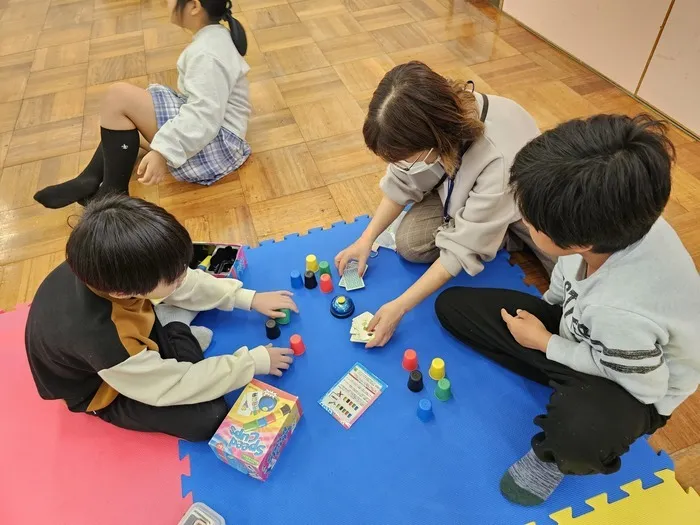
{"x":116,"y":96}
{"x":445,"y":302}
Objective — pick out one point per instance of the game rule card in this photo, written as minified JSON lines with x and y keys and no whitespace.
{"x":348,"y":399}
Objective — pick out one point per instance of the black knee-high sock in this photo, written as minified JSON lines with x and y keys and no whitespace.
{"x":120,"y":149}
{"x":77,"y":189}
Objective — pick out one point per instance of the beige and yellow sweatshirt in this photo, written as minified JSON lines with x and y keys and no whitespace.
{"x":86,"y":347}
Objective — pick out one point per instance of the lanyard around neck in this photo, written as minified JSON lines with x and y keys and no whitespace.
{"x":450,"y":186}
{"x":450,"y":180}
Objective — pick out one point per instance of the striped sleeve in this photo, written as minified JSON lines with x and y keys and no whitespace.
{"x":620,"y":345}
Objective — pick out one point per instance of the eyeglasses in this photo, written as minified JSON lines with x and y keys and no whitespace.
{"x":406,"y":167}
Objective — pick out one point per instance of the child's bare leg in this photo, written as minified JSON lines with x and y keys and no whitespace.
{"x":127,"y":107}
{"x":144,"y":144}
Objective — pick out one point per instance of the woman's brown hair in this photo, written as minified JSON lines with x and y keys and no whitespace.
{"x":414,"y":109}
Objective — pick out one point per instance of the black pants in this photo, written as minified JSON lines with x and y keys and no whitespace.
{"x":590,"y":421}
{"x":196,"y":422}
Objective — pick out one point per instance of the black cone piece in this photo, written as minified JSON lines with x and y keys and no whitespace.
{"x":271,"y":329}
{"x":310,"y":280}
{"x":415,"y":381}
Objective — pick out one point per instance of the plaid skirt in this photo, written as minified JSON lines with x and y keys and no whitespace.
{"x":226,"y":153}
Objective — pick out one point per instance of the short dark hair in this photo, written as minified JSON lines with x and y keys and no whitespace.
{"x":600,"y":182}
{"x":127,"y":245}
{"x":414,"y":109}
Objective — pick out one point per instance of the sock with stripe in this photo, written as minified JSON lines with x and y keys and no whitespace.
{"x":530,"y":481}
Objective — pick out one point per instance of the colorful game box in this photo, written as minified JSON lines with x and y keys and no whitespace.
{"x":256,"y":429}
{"x":220,"y":260}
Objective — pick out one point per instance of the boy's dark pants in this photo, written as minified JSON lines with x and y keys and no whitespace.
{"x":196,"y":422}
{"x":590,"y":421}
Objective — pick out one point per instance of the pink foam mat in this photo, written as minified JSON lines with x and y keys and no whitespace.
{"x":74,"y":469}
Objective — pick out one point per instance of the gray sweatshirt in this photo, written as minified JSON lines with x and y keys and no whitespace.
{"x":212,"y":76}
{"x":635,"y":321}
{"x":481,"y":205}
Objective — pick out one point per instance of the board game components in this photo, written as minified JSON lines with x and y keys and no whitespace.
{"x":342,"y":307}
{"x":271,"y":329}
{"x":437,"y":369}
{"x":256,"y":429}
{"x":310,"y":280}
{"x":311,"y":263}
{"x":201,"y":514}
{"x":297,"y":345}
{"x":296,"y":279}
{"x":358,"y":330}
{"x":220,"y":260}
{"x":443,"y":390}
{"x":324,"y":268}
{"x":415,"y":381}
{"x":352,"y":280}
{"x":287,"y":316}
{"x":425,"y":410}
{"x":326,"y":283}
{"x":410,"y":360}
{"x":204,"y":265}
{"x":348,"y":399}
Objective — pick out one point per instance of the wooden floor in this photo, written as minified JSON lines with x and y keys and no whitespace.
{"x":314,"y":66}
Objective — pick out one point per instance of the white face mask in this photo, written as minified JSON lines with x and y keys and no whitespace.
{"x":411,"y":168}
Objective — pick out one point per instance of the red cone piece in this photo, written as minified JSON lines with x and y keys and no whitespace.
{"x":326,"y":283}
{"x":410,"y":360}
{"x":297,"y":345}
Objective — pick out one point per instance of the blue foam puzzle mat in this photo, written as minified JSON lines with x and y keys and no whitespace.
{"x":390,"y":467}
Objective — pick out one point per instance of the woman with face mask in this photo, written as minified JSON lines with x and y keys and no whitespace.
{"x":449,"y":151}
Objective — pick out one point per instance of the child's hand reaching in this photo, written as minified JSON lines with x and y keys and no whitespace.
{"x":153,"y":169}
{"x":268,"y":303}
{"x":280,"y":359}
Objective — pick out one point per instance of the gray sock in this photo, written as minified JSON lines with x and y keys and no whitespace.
{"x":169,"y":314}
{"x":203,"y":335}
{"x":530,"y":481}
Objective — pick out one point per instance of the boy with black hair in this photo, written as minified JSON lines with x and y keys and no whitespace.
{"x":94,"y":339}
{"x":616,"y":335}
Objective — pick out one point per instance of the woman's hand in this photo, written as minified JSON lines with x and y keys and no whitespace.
{"x":359,"y":251}
{"x":153,"y":169}
{"x":385,"y":322}
{"x":269,"y":303}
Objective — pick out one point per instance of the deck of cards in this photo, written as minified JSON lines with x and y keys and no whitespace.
{"x":358,"y":330}
{"x":351,"y":279}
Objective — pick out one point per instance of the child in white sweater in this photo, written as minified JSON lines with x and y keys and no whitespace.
{"x":617,"y":333}
{"x":197,"y":135}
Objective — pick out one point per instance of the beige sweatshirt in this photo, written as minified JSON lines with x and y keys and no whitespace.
{"x":146,"y":377}
{"x":481,"y":205}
